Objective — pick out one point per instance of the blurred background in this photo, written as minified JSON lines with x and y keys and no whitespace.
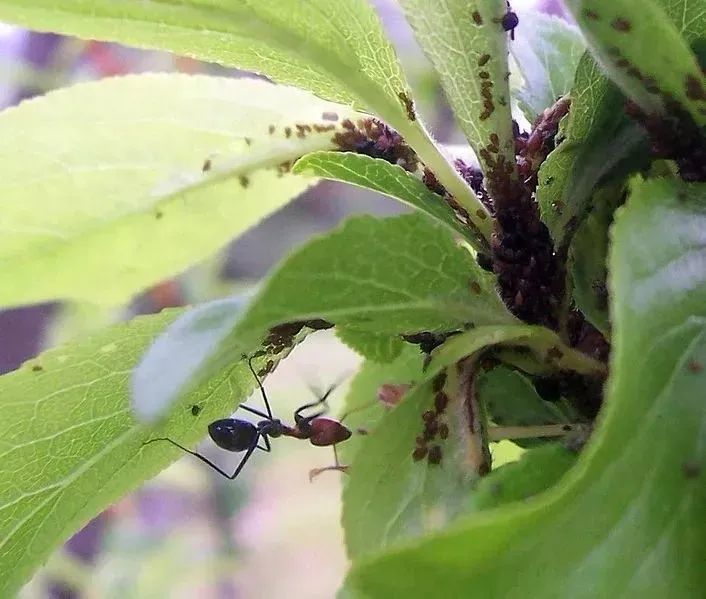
{"x":189,"y":532}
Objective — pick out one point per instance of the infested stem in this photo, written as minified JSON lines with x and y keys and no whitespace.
{"x":417,"y":137}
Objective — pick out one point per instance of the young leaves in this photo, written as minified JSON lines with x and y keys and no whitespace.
{"x":630,"y":42}
{"x":392,"y":180}
{"x":70,"y":446}
{"x":635,"y":499}
{"x":597,"y":139}
{"x":467,"y":45}
{"x":547,"y":51}
{"x":335,"y":49}
{"x":102,"y":191}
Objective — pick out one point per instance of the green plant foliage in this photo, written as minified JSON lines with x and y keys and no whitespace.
{"x":175,"y":358}
{"x":511,"y":400}
{"x":378,"y":348}
{"x":536,"y":471}
{"x":390,"y":276}
{"x":93,"y":214}
{"x":598,"y":140}
{"x":390,"y":495}
{"x":467,"y":45}
{"x":383,"y":276}
{"x":547,"y":51}
{"x":589,"y":257}
{"x":336,"y":50}
{"x":381,"y":176}
{"x":363,"y":408}
{"x":624,"y":40}
{"x":70,"y":445}
{"x":634,"y":501}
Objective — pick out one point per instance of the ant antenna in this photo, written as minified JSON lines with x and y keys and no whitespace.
{"x":262,"y":389}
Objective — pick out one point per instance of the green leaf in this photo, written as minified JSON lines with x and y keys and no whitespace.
{"x":336,"y":50}
{"x":600,"y":138}
{"x":599,"y":141}
{"x":363,"y":409}
{"x":589,"y":256}
{"x":379,"y":348}
{"x":467,"y":45}
{"x":180,"y":352}
{"x":386,"y":178}
{"x":635,"y":500}
{"x":389,"y":276}
{"x":536,"y":471}
{"x":70,"y":446}
{"x":511,"y":400}
{"x":102,"y":191}
{"x":630,"y":43}
{"x":547,"y":50}
{"x":390,"y":495}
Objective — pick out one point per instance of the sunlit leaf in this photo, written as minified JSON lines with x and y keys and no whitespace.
{"x":70,"y":446}
{"x":102,"y":191}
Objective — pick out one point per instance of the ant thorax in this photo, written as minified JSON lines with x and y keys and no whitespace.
{"x":272,"y":427}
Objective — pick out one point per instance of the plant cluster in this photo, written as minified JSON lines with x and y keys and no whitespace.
{"x":553,"y":293}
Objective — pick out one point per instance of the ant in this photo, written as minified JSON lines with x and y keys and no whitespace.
{"x":509,"y":21}
{"x":233,"y":434}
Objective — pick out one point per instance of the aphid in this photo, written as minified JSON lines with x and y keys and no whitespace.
{"x":441,"y":400}
{"x":233,"y":434}
{"x":408,"y":105}
{"x":195,"y":410}
{"x":419,"y":453}
{"x":434,"y":456}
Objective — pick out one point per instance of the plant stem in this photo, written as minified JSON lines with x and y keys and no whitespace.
{"x":429,"y":153}
{"x":500,"y":433}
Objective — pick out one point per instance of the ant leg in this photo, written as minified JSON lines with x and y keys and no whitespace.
{"x":254,"y":411}
{"x":262,"y":389}
{"x":338,"y":467}
{"x":208,"y":462}
{"x":313,"y":404}
{"x":267,"y":448}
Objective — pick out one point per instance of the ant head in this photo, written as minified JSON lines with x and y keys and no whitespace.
{"x":326,"y":431}
{"x":232,"y":434}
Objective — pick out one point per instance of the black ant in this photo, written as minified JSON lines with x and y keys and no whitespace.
{"x":233,"y":434}
{"x":509,"y":21}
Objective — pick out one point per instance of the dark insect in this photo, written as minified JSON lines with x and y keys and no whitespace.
{"x":510,"y":21}
{"x":195,"y":410}
{"x":408,"y":105}
{"x":233,"y":434}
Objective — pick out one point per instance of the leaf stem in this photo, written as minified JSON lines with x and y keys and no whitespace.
{"x":501,"y":433}
{"x":429,"y":153}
